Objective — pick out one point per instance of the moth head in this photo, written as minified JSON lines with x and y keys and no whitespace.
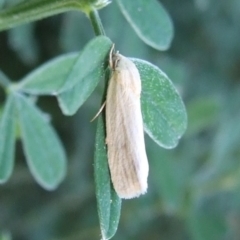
{"x":119,"y":62}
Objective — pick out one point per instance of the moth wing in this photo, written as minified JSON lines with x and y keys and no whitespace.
{"x":125,"y":137}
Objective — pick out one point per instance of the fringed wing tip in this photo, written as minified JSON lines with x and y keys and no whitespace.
{"x":133,"y":193}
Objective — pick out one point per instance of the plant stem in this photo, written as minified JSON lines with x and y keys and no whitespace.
{"x":96,"y":22}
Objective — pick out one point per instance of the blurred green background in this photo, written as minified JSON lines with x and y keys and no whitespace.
{"x":194,"y":190}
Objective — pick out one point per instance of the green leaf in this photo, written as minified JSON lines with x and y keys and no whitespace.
{"x":7,"y":140}
{"x":90,"y":60}
{"x":28,"y":11}
{"x":43,"y":150}
{"x":150,"y":21}
{"x":109,"y":204}
{"x":50,"y":77}
{"x":87,"y":71}
{"x":164,"y":114}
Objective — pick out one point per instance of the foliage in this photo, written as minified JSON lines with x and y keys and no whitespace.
{"x":72,"y":79}
{"x":193,"y":189}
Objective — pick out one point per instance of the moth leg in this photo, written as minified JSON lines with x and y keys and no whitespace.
{"x":99,"y":111}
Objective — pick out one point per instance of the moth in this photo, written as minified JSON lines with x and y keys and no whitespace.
{"x":126,"y":152}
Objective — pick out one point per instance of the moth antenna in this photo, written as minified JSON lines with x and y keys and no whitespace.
{"x":111,"y":56}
